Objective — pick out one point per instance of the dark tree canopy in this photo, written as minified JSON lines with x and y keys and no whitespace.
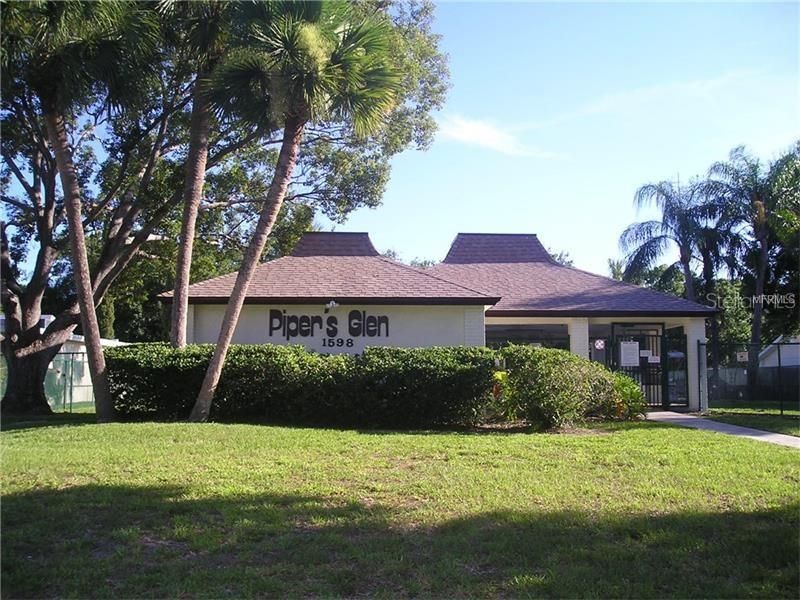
{"x":129,"y":144}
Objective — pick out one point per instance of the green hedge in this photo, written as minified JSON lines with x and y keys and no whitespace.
{"x":382,"y":387}
{"x":554,"y":388}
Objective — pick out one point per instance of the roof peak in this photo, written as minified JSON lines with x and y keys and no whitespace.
{"x":497,"y":234}
{"x":470,"y":248}
{"x":334,"y":243}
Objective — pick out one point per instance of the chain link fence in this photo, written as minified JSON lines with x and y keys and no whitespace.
{"x":67,"y":385}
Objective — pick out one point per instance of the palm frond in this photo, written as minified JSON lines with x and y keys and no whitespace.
{"x":639,"y":233}
{"x":644,"y":256}
{"x":783,"y":179}
{"x":654,"y":193}
{"x":245,"y":85}
{"x":322,"y":62}
{"x":76,"y":49}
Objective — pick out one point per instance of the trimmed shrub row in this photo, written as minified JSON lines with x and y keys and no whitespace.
{"x":382,"y":387}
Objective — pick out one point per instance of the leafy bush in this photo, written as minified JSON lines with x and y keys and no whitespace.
{"x":555,"y":388}
{"x":629,"y":402}
{"x":410,"y":387}
{"x":385,"y":387}
{"x":153,"y":381}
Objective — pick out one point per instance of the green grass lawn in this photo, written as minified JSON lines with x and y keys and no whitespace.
{"x":768,"y":419}
{"x":176,"y":510}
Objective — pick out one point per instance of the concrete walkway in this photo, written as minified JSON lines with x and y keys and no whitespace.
{"x":673,"y":418}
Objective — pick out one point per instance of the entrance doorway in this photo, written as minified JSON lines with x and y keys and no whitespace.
{"x":650,"y":355}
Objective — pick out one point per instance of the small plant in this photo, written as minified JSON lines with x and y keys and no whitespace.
{"x":626,"y":403}
{"x":632,"y":403}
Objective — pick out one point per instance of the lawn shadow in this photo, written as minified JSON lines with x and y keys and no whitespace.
{"x":789,"y":416}
{"x":589,"y":428}
{"x":103,"y":541}
{"x":11,"y":422}
{"x":500,"y":428}
{"x":19,"y":422}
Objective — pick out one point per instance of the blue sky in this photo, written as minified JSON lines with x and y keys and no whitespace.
{"x":558,"y":112}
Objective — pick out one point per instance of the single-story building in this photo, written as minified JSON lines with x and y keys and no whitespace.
{"x":784,"y":351}
{"x":336,"y":293}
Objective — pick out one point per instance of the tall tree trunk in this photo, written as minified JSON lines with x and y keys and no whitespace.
{"x":25,"y":385}
{"x":199,"y":130}
{"x":689,"y":283}
{"x":708,"y":275}
{"x":28,"y":351}
{"x":758,"y":312}
{"x":292,"y":134}
{"x":57,"y":136}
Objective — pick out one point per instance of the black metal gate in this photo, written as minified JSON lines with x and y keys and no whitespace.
{"x":753,"y":377}
{"x":656,"y":362}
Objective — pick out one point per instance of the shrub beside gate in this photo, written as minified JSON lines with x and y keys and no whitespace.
{"x":555,"y":388}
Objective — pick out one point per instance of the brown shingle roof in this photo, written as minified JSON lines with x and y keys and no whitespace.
{"x":338,"y":266}
{"x":328,"y":243}
{"x":531,"y":284}
{"x":512,"y":272}
{"x":469,"y":248}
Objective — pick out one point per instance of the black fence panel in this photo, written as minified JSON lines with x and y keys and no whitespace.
{"x":764,"y":376}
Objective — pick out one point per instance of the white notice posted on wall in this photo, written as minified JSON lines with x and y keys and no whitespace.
{"x":629,"y":354}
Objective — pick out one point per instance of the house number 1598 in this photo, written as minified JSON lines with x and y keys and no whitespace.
{"x":331,"y":342}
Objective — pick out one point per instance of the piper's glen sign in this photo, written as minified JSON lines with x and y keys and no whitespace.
{"x":359,"y":324}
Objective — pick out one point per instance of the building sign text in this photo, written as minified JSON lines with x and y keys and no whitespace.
{"x":359,"y":324}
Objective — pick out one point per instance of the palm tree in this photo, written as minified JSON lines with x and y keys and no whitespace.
{"x":69,"y":54}
{"x":301,"y":62}
{"x":644,"y":243}
{"x":715,"y":240}
{"x":757,"y":197}
{"x":616,"y":268}
{"x":202,"y":28}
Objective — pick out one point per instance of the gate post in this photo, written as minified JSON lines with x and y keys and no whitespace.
{"x":578,"y":329}
{"x":702,"y":351}
{"x":780,"y":377}
{"x":664,"y":349}
{"x":702,"y":356}
{"x":695,"y":365}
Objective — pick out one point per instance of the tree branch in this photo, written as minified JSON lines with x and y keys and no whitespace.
{"x":122,"y":256}
{"x":95,"y":211}
{"x":31,"y":121}
{"x":32,"y":194}
{"x":237,"y":145}
{"x":155,"y":154}
{"x":16,"y":203}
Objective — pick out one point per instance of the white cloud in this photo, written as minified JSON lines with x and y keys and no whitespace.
{"x":486,"y":135}
{"x":674,"y":93}
{"x":770,"y":146}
